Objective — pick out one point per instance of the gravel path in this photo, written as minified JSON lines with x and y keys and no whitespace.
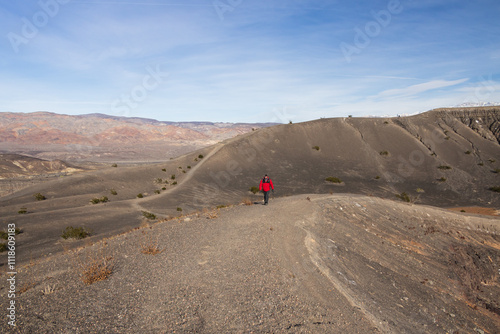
{"x":251,"y":269}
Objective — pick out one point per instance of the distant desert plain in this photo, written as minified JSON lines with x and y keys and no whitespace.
{"x":376,"y":225}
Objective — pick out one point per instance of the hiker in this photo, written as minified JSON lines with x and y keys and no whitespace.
{"x":265,"y":185}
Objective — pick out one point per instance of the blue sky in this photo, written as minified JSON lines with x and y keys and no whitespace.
{"x":247,"y":61}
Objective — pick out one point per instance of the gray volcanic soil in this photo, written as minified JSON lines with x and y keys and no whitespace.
{"x":303,"y":264}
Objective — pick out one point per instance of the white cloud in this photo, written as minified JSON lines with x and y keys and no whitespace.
{"x":420,"y":88}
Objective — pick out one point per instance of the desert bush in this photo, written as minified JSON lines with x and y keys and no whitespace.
{"x":179,"y":209}
{"x":163,"y":188}
{"x":3,"y":247}
{"x":71,"y":232}
{"x":96,"y":200}
{"x":333,"y":179}
{"x":247,"y":201}
{"x":221,"y":206}
{"x":148,"y":215}
{"x":404,"y":197}
{"x":386,"y":122}
{"x":188,"y":167}
{"x":496,"y":171}
{"x":157,"y":191}
{"x":96,"y":266}
{"x":444,"y":167}
{"x":495,"y":189}
{"x":22,"y":211}
{"x":316,"y":148}
{"x":150,"y":246}
{"x":159,"y":180}
{"x":174,"y":183}
{"x":481,"y":164}
{"x":164,"y":169}
{"x":384,"y":153}
{"x":377,"y":177}
{"x":39,"y":197}
{"x":468,"y":152}
{"x":442,"y":179}
{"x":5,"y":235}
{"x":200,"y":156}
{"x":420,"y":190}
{"x":113,"y":192}
{"x":254,"y":189}
{"x":183,"y":171}
{"x":172,"y":176}
{"x":114,"y":165}
{"x":491,"y":160}
{"x":140,"y":195}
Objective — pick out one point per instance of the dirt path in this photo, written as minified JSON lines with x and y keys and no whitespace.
{"x":306,"y":264}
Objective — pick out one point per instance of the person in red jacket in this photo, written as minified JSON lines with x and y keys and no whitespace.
{"x":265,"y":185}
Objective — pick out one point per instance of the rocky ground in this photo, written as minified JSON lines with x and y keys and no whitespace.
{"x":303,"y":264}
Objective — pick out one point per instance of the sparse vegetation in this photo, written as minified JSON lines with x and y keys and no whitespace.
{"x":148,"y":215}
{"x":333,"y":179}
{"x":113,"y":192}
{"x":444,"y":167}
{"x":496,"y":171}
{"x":495,"y":189}
{"x":247,"y":201}
{"x":200,"y":156}
{"x":179,"y":209}
{"x":5,"y":235}
{"x":420,"y":190}
{"x":163,"y":188}
{"x":468,"y":152}
{"x":157,"y":191}
{"x":385,"y":122}
{"x":39,"y":197}
{"x":290,"y":122}
{"x":183,"y":171}
{"x":446,"y":138}
{"x":174,"y":183}
{"x":316,"y":148}
{"x":159,"y":180}
{"x":3,"y":247}
{"x":188,"y":167}
{"x":384,"y":153}
{"x":75,"y":233}
{"x":172,"y":176}
{"x":491,"y":160}
{"x":377,"y":177}
{"x":163,"y":169}
{"x":151,"y":246}
{"x":404,"y":197}
{"x":114,"y":165}
{"x":442,"y":179}
{"x":96,"y":200}
{"x":221,"y":206}
{"x":481,"y":164}
{"x":22,"y":211}
{"x":96,"y":267}
{"x":254,"y":189}
{"x":140,"y":195}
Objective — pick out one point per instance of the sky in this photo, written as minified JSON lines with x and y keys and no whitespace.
{"x":247,"y":61}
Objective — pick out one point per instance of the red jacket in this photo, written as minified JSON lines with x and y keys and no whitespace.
{"x":266,"y":186}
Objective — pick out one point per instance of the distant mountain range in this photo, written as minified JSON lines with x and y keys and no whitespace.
{"x":99,"y":137}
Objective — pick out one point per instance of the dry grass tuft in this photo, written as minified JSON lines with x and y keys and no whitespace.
{"x":96,"y":266}
{"x":247,"y":201}
{"x":150,"y":245}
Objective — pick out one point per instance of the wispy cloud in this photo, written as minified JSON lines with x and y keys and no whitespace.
{"x":420,"y":88}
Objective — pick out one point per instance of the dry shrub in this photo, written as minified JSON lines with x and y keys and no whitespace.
{"x":95,"y":266}
{"x":150,"y":245}
{"x":247,"y":201}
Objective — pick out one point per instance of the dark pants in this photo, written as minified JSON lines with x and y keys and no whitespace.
{"x":266,"y":197}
